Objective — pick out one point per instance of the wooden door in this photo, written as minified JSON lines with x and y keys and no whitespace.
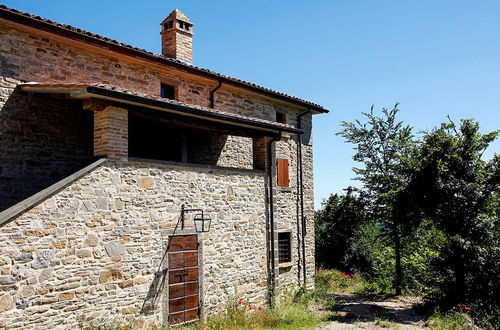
{"x":183,"y":286}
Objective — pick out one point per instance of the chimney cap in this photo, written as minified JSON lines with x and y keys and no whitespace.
{"x":179,"y":15}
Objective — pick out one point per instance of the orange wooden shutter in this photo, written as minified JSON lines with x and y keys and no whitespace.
{"x":282,"y":169}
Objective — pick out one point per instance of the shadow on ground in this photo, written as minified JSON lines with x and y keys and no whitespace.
{"x":373,"y":310}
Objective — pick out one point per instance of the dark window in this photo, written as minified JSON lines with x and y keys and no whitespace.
{"x":153,"y":139}
{"x":284,"y":247}
{"x":282,"y":172}
{"x":280,"y":117}
{"x":167,"y":91}
{"x":169,"y":25}
{"x":181,"y":24}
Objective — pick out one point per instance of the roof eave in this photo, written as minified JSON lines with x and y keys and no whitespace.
{"x":99,"y":91}
{"x":85,"y":92}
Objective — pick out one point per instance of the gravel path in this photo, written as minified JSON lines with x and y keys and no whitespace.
{"x":376,"y":312}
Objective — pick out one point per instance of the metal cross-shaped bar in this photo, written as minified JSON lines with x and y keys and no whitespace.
{"x":181,"y":276}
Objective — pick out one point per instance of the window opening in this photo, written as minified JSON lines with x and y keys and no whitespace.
{"x":157,"y":138}
{"x":284,"y":247}
{"x":169,"y":25}
{"x":280,"y":117}
{"x":152,"y":139}
{"x":167,"y":91}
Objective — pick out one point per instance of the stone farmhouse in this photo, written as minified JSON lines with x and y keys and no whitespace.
{"x":137,"y":185}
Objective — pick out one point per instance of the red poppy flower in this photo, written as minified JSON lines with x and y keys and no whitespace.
{"x":250,"y":307}
{"x":260,"y":308}
{"x":466,"y":308}
{"x":459,"y":305}
{"x":240,"y":301}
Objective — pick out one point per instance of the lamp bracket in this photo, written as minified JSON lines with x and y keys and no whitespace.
{"x":183,"y":210}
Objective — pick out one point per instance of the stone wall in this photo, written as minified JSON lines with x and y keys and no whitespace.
{"x":237,"y":152}
{"x":42,"y":140}
{"x":220,"y":150}
{"x":92,"y":249}
{"x":288,"y":214}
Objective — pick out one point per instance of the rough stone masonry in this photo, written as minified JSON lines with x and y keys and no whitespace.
{"x":91,"y":250}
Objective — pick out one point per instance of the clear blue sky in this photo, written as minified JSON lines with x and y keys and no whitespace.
{"x":437,"y":58}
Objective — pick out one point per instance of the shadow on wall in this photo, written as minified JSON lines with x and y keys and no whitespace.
{"x":205,"y":147}
{"x":157,"y":286}
{"x":154,"y":293}
{"x":306,"y":125}
{"x":43,"y":139}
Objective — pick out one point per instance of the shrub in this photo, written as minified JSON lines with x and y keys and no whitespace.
{"x":452,"y":320}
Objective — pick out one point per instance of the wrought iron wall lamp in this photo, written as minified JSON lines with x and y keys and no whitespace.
{"x":202,"y":221}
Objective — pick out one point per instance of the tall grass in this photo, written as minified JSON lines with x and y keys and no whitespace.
{"x":337,"y":281}
{"x":290,"y":312}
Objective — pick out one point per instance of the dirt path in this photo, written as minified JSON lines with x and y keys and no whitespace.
{"x":376,"y":312}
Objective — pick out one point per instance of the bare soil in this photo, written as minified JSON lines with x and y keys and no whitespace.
{"x":375,"y":312}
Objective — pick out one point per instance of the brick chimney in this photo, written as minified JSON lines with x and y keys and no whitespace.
{"x":177,"y":37}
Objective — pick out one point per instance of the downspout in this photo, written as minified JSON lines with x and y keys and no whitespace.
{"x":303,"y":219}
{"x":271,"y":213}
{"x":212,"y":94}
{"x":297,"y":206}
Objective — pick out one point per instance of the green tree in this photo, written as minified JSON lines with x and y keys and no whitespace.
{"x":460,"y":191}
{"x":337,"y":231}
{"x":384,"y":146}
